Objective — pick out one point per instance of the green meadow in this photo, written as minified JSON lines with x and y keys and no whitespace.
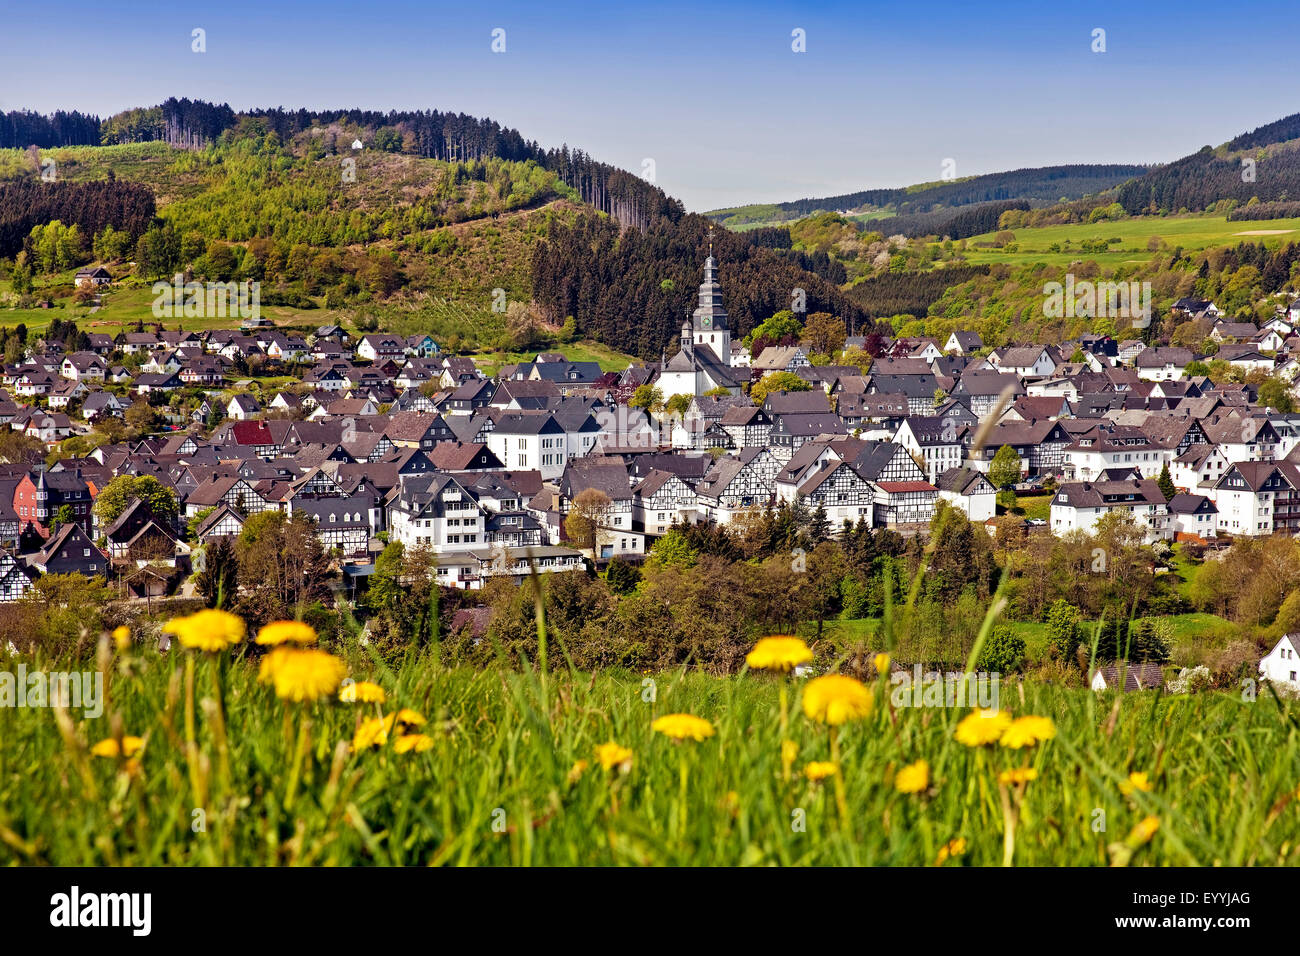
{"x":230,"y":774}
{"x":1192,"y":233}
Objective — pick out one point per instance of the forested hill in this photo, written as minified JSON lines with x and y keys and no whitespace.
{"x":1045,"y":184}
{"x":444,"y":209}
{"x":433,"y":134}
{"x":1261,"y":166}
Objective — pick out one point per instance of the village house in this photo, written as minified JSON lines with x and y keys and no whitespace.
{"x":92,"y":277}
{"x":1282,"y":664}
{"x":970,"y":491}
{"x":936,"y":442}
{"x":662,"y":499}
{"x":1078,"y":506}
{"x":1258,"y":498}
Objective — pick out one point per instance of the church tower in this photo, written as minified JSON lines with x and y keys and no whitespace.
{"x":709,"y":324}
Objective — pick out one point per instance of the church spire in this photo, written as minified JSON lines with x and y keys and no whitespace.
{"x":710,"y":315}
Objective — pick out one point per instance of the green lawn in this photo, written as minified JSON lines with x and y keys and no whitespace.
{"x":1193,"y":233}
{"x":1187,"y":569}
{"x":1034,"y":506}
{"x":584,"y":351}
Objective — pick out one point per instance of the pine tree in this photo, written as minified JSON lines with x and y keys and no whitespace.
{"x":1166,"y":483}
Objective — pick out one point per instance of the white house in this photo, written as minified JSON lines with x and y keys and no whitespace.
{"x":1109,"y":446}
{"x":661,"y":498}
{"x":1257,"y":498}
{"x":530,"y":442}
{"x":1078,"y":506}
{"x":1193,"y":515}
{"x":1162,"y":364}
{"x":435,"y":510}
{"x":1281,"y":665}
{"x":963,"y":342}
{"x":935,"y":440}
{"x":243,"y":407}
{"x":1028,"y":362}
{"x":1201,"y":464}
{"x":1127,"y":677}
{"x":380,"y":348}
{"x":970,"y":491}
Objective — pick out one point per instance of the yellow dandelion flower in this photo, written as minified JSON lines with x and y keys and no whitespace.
{"x":108,"y":747}
{"x":302,"y":674}
{"x":982,"y":727}
{"x":372,"y":733}
{"x":913,"y":778}
{"x":789,"y":751}
{"x":820,"y":770}
{"x":1136,"y":781}
{"x":418,"y":743}
{"x":210,"y":630}
{"x":953,"y":848}
{"x":1018,"y":775}
{"x":681,"y":726}
{"x":270,"y":663}
{"x":577,"y":770}
{"x":836,"y":699}
{"x":1144,"y":831}
{"x":612,"y":755}
{"x":778,"y":653}
{"x":409,"y":718}
{"x":362,"y":692}
{"x":286,"y":632}
{"x":1027,"y":731}
{"x":882,"y":663}
{"x":122,"y":637}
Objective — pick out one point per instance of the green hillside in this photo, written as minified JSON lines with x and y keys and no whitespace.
{"x":1128,"y":240}
{"x":373,"y":239}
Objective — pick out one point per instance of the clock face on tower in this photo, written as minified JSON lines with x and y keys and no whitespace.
{"x":707,"y":322}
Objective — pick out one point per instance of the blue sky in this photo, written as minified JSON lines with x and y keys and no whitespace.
{"x":711,"y":92}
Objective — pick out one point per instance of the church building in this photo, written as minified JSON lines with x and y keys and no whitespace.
{"x":704,"y":361}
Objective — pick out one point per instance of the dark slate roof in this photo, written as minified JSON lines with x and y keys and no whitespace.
{"x":960,"y":481}
{"x":1136,"y":676}
{"x":1191,"y":504}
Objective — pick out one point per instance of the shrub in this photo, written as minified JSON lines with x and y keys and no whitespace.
{"x":1003,"y":652}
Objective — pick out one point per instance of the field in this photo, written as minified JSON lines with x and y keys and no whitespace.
{"x":123,"y":306}
{"x":610,"y":360}
{"x":508,"y":772}
{"x":1193,"y":233}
